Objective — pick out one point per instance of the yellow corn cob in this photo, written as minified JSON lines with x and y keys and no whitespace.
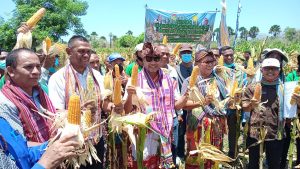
{"x":134,"y":75}
{"x":90,"y":83}
{"x":297,"y":91}
{"x":221,"y":61}
{"x":36,"y":17}
{"x":74,"y":112}
{"x":257,"y":92}
{"x":48,"y":43}
{"x":194,"y":76}
{"x":88,"y":118}
{"x":165,"y":40}
{"x":250,"y":64}
{"x":176,"y":49}
{"x":117,"y":71}
{"x":234,"y":87}
{"x":108,"y":81}
{"x":117,"y":91}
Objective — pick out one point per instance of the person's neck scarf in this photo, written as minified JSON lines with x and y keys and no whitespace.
{"x":92,"y":92}
{"x":161,"y":123}
{"x":36,"y":127}
{"x":231,"y":66}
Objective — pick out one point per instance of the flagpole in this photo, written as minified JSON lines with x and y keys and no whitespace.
{"x":237,"y":23}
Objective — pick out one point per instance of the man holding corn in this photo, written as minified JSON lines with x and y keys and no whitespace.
{"x":160,"y":93}
{"x":22,"y":97}
{"x":231,"y":73}
{"x":78,"y":77}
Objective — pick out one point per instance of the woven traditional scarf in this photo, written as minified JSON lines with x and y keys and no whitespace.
{"x":163,"y":120}
{"x":73,"y":85}
{"x":36,"y":127}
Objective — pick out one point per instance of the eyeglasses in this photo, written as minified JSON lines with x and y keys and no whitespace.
{"x":155,"y":58}
{"x":139,"y":58}
{"x":210,"y":62}
{"x":231,"y":55}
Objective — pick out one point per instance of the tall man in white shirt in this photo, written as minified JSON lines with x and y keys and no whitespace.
{"x":76,"y":77}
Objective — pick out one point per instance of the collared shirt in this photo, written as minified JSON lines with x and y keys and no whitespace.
{"x":57,"y":85}
{"x":24,"y":156}
{"x":268,"y":117}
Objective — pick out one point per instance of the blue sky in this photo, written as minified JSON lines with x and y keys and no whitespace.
{"x":119,"y":16}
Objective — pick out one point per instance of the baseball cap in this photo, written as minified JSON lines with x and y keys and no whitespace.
{"x":185,"y":47}
{"x":115,"y":56}
{"x":270,"y":62}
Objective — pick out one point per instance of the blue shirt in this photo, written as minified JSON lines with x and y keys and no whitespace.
{"x":24,"y":156}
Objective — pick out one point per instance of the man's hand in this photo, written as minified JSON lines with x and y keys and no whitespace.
{"x":59,"y":151}
{"x":48,"y":61}
{"x":90,"y":104}
{"x":208,"y":99}
{"x":124,"y":80}
{"x":180,"y":119}
{"x":118,"y":108}
{"x":23,"y":28}
{"x":131,"y":90}
{"x":254,"y":103}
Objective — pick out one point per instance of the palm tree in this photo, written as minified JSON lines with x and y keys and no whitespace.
{"x":275,"y":30}
{"x":253,"y":32}
{"x":243,"y":33}
{"x":230,"y":31}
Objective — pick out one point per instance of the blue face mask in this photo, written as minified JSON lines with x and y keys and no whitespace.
{"x":186,"y":58}
{"x":56,"y":63}
{"x":2,"y":64}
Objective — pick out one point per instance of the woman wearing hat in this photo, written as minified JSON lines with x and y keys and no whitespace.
{"x":207,"y":117}
{"x":267,"y":113}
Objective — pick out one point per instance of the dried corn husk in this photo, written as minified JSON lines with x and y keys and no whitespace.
{"x":210,"y":152}
{"x":296,"y":91}
{"x":24,"y":40}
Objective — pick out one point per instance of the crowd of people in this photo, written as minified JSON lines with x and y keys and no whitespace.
{"x":186,"y":110}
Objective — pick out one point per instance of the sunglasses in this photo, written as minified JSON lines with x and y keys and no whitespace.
{"x":155,"y":58}
{"x":139,"y":58}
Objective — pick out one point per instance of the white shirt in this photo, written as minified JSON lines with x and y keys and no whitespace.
{"x":57,"y":84}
